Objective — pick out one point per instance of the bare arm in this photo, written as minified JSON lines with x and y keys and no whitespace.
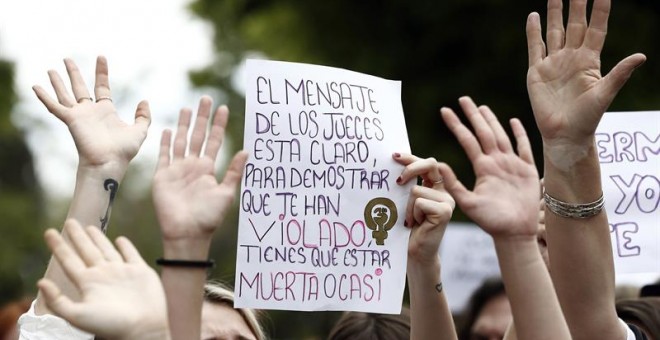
{"x":504,"y":202}
{"x":190,"y":204}
{"x":569,"y":96}
{"x":105,"y":146}
{"x":428,"y":212}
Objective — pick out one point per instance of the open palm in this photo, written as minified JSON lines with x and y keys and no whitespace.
{"x":505,"y":196}
{"x":100,"y":135}
{"x":188,"y":199}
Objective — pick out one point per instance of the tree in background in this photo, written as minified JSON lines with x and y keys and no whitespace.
{"x":439,"y":49}
{"x":22,"y":252}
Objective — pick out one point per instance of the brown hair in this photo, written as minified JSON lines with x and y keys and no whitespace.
{"x":368,"y":326}
{"x":9,"y":314}
{"x":644,"y":312}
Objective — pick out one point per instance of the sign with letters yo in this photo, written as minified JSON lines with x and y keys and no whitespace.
{"x":321,"y":220}
{"x":628,"y":147}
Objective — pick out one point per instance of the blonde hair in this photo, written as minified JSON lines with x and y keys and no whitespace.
{"x":217,"y":292}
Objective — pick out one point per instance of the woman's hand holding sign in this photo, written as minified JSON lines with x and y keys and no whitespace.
{"x":428,"y":211}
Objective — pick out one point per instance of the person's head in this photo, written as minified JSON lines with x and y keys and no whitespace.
{"x":9,"y":315}
{"x":370,"y":326}
{"x":220,"y":320}
{"x":643,"y":313}
{"x":488,"y":313}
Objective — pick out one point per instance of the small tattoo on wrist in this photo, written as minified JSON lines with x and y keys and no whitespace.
{"x":112,"y":186}
{"x":438,"y":287}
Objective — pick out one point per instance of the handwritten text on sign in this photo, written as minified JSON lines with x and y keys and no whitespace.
{"x":628,"y":147}
{"x":321,"y":214}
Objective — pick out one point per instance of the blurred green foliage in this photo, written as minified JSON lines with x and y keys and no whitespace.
{"x":439,"y":49}
{"x":21,"y":206}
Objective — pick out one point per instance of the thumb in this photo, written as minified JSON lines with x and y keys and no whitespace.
{"x":614,"y":81}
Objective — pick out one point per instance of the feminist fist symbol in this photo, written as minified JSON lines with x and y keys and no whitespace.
{"x":380,"y":215}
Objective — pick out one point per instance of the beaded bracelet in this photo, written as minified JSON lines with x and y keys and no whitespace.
{"x":571,"y":210}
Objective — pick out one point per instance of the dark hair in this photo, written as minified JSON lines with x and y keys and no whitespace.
{"x":369,"y":326}
{"x":644,"y":312}
{"x":9,"y":314}
{"x":488,"y":290}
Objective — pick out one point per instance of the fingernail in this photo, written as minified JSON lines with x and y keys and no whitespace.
{"x":398,"y":180}
{"x":397,"y":155}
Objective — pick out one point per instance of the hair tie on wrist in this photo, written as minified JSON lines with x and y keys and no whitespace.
{"x":185,"y":263}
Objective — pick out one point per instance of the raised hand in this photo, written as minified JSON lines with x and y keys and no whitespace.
{"x":121,"y":296}
{"x":429,"y":207}
{"x":504,"y":201}
{"x":101,"y":137}
{"x":190,"y":204}
{"x":567,"y":91}
{"x":427,"y":213}
{"x":189,"y":201}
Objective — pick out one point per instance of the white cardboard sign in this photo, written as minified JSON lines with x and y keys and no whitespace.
{"x":628,"y":147}
{"x":321,"y":220}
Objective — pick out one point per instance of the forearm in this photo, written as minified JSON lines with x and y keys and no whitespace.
{"x":580,"y":250}
{"x":91,"y":205}
{"x":430,"y":314}
{"x":184,"y":287}
{"x":534,"y":305}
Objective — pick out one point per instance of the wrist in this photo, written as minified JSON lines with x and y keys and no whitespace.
{"x":565,"y":154}
{"x":114,"y":170}
{"x":196,"y":249}
{"x":428,"y":268}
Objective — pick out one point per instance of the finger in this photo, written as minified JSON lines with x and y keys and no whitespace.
{"x":576,"y":27}
{"x":614,"y":81}
{"x":102,"y":83}
{"x":199,"y":130}
{"x":464,"y":136}
{"x":164,"y":154}
{"x":77,"y":83}
{"x":103,"y":244}
{"x":51,"y":105}
{"x":535,"y":45}
{"x":128,"y":251}
{"x":426,"y":168}
{"x":61,"y":92}
{"x":142,"y":117}
{"x":595,"y":36}
{"x":425,"y":207}
{"x":86,"y":249}
{"x":68,"y":259}
{"x":415,"y":193}
{"x":455,"y":188}
{"x":482,"y":130}
{"x":404,"y":159}
{"x":555,"y":32}
{"x":234,"y":173}
{"x":217,"y":133}
{"x":501,"y":138}
{"x":59,"y":303}
{"x":181,"y":138}
{"x":522,"y":141}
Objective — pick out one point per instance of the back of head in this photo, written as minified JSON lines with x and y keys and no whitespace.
{"x":216,"y":292}
{"x":370,"y":326}
{"x":489,"y":289}
{"x":643,"y":312}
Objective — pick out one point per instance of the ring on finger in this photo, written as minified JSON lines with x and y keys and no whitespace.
{"x":103,"y":98}
{"x":83,"y":98}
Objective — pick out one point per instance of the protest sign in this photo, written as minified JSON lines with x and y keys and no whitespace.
{"x":468,"y":258}
{"x":321,"y":219}
{"x":628,"y":147}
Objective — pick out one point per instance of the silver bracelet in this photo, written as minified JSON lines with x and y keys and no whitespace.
{"x":571,"y":210}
